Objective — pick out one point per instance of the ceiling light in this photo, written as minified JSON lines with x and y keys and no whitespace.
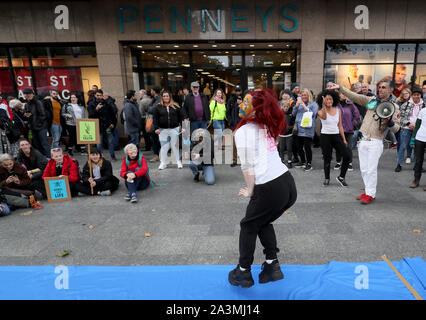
{"x":233,"y":45}
{"x":270,"y":45}
{"x":252,"y":45}
{"x":176,"y":46}
{"x":158,"y":46}
{"x":214,"y":45}
{"x":139,"y":46}
{"x":195,"y":46}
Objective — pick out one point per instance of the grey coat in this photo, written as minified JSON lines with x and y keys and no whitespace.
{"x":133,"y":119}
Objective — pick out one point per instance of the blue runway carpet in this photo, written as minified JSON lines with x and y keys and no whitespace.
{"x":336,"y":280}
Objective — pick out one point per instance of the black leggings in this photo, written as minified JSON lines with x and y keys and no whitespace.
{"x":110,"y":184}
{"x":328,"y":142}
{"x":304,"y":147}
{"x":268,"y":203}
{"x":419,"y":149}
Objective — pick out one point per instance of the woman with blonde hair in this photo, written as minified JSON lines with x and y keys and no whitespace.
{"x":168,"y":116}
{"x":218,"y":114}
{"x":305,"y":133}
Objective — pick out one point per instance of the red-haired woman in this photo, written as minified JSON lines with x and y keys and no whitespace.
{"x":270,"y":187}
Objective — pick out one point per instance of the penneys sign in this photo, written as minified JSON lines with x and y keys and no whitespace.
{"x":154,"y":22}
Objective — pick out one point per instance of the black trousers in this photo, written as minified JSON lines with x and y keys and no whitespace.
{"x":304,"y":149}
{"x":348,"y":137}
{"x":267,"y":204}
{"x":110,"y":184}
{"x":419,"y":149}
{"x":286,"y":143}
{"x":328,"y":142}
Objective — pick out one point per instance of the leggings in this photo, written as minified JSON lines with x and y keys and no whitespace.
{"x":267,"y":204}
{"x":328,"y":142}
{"x":304,"y":147}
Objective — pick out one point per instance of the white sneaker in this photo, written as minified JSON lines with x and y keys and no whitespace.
{"x":179,"y":165}
{"x":408,"y":160}
{"x":162,"y":166}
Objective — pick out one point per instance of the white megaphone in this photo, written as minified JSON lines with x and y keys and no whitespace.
{"x":384,"y":110}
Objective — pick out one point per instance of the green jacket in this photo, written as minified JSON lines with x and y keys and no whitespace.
{"x":217,"y":110}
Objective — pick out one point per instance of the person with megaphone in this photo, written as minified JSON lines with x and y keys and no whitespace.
{"x":382,"y":112}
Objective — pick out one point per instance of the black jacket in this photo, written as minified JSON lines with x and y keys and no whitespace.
{"x":39,"y":118}
{"x":189,"y":107}
{"x":105,"y":114}
{"x":106,"y":173}
{"x":133,"y":123}
{"x":232,"y":112}
{"x":36,"y":160}
{"x":167,"y":120}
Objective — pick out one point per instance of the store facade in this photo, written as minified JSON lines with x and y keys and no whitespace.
{"x":121,"y":45}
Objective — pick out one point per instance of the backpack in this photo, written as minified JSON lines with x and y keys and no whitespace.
{"x":11,"y":129}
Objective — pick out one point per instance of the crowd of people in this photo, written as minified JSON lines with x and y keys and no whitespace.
{"x":38,"y":135}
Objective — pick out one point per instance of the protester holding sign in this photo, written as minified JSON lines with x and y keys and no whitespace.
{"x":71,"y":112}
{"x":102,"y":179}
{"x":63,"y":165}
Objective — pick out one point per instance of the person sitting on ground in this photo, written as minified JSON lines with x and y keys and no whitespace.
{"x":61,"y":165}
{"x":134,"y":171}
{"x":202,"y":160}
{"x":15,"y":182}
{"x":103,"y":181}
{"x":4,"y":208}
{"x":35,"y":163}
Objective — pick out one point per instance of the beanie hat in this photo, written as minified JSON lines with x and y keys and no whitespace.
{"x":294,"y":85}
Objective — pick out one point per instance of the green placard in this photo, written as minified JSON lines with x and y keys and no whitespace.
{"x":87,"y":131}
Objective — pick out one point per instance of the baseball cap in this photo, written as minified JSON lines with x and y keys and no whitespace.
{"x":195,"y":84}
{"x":28,"y":91}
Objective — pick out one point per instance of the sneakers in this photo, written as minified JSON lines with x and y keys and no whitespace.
{"x":326,"y":182}
{"x":408,"y":160}
{"x":241,"y":278}
{"x":350,"y":167}
{"x":134,"y":199}
{"x":398,"y":168}
{"x":308,"y":167}
{"x":162,"y":166}
{"x":128,"y":196}
{"x":337,"y":166}
{"x":289,"y":165}
{"x":105,"y":193}
{"x":270,"y":272}
{"x":393,"y":145}
{"x":299,"y":165}
{"x":361,"y":196}
{"x":179,"y":165}
{"x":367,"y":199}
{"x":341,"y":181}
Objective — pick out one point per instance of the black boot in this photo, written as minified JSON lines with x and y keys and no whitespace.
{"x":241,"y":278}
{"x":270,"y":272}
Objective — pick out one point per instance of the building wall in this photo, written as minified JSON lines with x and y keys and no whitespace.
{"x":318,"y":20}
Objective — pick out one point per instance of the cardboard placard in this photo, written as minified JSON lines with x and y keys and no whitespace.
{"x":57,"y":189}
{"x":88,"y":131}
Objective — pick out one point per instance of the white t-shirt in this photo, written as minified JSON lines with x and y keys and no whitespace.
{"x":77,"y":111}
{"x":258,"y":151}
{"x":421,"y":133}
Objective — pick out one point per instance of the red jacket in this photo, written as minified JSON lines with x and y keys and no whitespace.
{"x":69,"y":169}
{"x":133,"y":167}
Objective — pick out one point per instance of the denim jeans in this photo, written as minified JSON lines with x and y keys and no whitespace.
{"x":110,"y":141}
{"x":169,"y":138}
{"x":56,"y":131}
{"x":134,"y":138}
{"x":116,"y":138}
{"x":40,"y":142}
{"x":198,"y":124}
{"x":208,"y":172}
{"x":218,"y":126}
{"x":5,"y":211}
{"x":404,"y":144}
{"x":137,"y":184}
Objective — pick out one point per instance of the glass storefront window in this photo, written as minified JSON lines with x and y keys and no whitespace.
{"x":65,"y":80}
{"x":348,"y":75}
{"x":406,"y":52}
{"x":421,"y":74}
{"x":3,"y":58}
{"x":360,"y":53}
{"x":257,"y":79}
{"x":270,"y":58}
{"x":169,"y":59}
{"x":19,"y":57}
{"x":223,"y":59}
{"x":154,"y":79}
{"x":6,"y":85}
{"x":421,"y":53}
{"x":63,"y":56}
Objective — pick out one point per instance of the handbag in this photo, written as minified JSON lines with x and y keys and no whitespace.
{"x":148,"y":123}
{"x":307,"y":120}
